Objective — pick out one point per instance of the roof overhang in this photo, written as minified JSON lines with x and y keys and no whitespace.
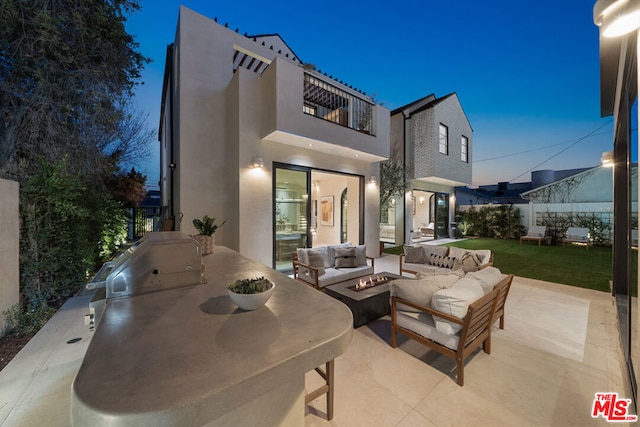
{"x":307,"y":143}
{"x":442,"y":181}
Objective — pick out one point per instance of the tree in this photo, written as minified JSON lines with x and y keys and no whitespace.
{"x":394,"y":179}
{"x":67,"y":73}
{"x":67,"y":67}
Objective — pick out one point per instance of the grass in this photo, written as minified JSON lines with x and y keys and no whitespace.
{"x":571,"y":265}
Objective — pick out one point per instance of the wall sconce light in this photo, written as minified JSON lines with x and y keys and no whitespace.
{"x":372,"y":180}
{"x":617,"y":17}
{"x":607,"y":159}
{"x":421,"y":199}
{"x":257,"y":162}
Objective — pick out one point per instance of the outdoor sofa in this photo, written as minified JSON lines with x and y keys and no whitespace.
{"x":327,"y":265}
{"x":450,"y":314}
{"x":434,"y":258}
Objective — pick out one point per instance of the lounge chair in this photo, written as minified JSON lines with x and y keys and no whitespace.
{"x":535,"y":233}
{"x":577,"y":235}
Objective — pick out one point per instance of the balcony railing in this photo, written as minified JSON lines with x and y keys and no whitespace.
{"x":325,"y":101}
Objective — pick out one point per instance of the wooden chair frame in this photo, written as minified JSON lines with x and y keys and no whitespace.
{"x":314,"y":271}
{"x":327,"y":388}
{"x":475,"y":332}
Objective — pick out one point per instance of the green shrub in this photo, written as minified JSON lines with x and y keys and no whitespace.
{"x":500,"y":222}
{"x":27,"y":322}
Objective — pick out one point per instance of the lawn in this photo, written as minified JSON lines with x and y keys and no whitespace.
{"x":572,"y":265}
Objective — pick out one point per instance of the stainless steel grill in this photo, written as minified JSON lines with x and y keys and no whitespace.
{"x":158,"y":261}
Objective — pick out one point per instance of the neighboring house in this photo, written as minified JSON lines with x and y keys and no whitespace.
{"x":587,"y":192}
{"x":509,"y":192}
{"x":433,"y":138}
{"x":251,"y":135}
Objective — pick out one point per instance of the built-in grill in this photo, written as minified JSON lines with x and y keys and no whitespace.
{"x":156,"y":262}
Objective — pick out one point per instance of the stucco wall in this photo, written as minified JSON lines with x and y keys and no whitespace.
{"x":9,"y":247}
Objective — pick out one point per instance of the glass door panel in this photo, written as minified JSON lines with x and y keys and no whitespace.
{"x":291,"y":214}
{"x":442,"y":215}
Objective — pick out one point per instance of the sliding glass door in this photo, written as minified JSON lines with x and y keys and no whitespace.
{"x":291,"y":213}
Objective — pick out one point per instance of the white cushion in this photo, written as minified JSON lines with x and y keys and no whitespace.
{"x":456,"y":252}
{"x":455,"y":301}
{"x":488,"y":277}
{"x":361,"y":255}
{"x":302,"y":255}
{"x":422,"y":324}
{"x":435,"y":250}
{"x":419,"y":291}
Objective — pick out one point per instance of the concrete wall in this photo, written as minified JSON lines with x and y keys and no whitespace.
{"x":9,"y":247}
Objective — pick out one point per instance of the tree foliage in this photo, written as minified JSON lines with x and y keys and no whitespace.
{"x":394,"y":180}
{"x":67,"y":68}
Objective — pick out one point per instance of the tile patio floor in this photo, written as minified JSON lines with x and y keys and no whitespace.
{"x":559,"y":347}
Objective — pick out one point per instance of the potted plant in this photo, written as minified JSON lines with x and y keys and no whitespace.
{"x":249,"y":294}
{"x":206,"y":228}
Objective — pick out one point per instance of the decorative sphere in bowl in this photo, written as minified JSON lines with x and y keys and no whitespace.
{"x":246,"y":295}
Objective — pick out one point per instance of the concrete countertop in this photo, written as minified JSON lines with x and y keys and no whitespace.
{"x":187,"y":356}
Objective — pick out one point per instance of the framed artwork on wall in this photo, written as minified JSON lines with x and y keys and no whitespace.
{"x":326,"y":210}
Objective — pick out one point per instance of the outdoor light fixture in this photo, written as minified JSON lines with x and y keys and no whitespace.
{"x":617,"y":17}
{"x":257,"y":162}
{"x":372,"y":180}
{"x":607,"y":159}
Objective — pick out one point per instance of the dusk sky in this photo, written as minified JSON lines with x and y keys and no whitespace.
{"x":526,"y":72}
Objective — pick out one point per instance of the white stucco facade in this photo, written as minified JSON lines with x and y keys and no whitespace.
{"x":218,"y":116}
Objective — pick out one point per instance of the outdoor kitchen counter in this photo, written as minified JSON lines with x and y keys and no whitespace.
{"x":190,"y":357}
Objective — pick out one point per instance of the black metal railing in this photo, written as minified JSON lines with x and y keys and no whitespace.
{"x":326,"y":101}
{"x":143,"y":220}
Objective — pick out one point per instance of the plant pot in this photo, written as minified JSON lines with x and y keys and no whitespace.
{"x":207,"y":243}
{"x":250,"y":302}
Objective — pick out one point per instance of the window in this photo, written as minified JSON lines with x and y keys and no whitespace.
{"x":444,"y":139}
{"x":464,"y":149}
{"x":309,"y":109}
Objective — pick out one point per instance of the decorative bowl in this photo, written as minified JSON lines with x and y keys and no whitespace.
{"x":251,"y":301}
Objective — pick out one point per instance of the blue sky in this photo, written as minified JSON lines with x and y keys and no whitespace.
{"x":526,"y":72}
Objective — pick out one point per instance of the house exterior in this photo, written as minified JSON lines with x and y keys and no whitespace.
{"x":432,"y":137}
{"x":252,"y":135}
{"x":589,"y":192}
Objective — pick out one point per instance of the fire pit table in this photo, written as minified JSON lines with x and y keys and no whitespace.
{"x":367,"y":297}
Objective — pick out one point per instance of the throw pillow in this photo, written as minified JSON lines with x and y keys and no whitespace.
{"x":455,"y":301}
{"x":418,"y":291}
{"x":414,"y":254}
{"x":488,"y":278}
{"x":346,"y":258}
{"x":331,"y":253}
{"x":302,"y":255}
{"x":470,"y":262}
{"x":441,"y":261}
{"x":316,"y":259}
{"x":435,"y":250}
{"x":361,"y":255}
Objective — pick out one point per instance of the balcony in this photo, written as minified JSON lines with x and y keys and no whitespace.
{"x":304,"y":109}
{"x":328,"y":102}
